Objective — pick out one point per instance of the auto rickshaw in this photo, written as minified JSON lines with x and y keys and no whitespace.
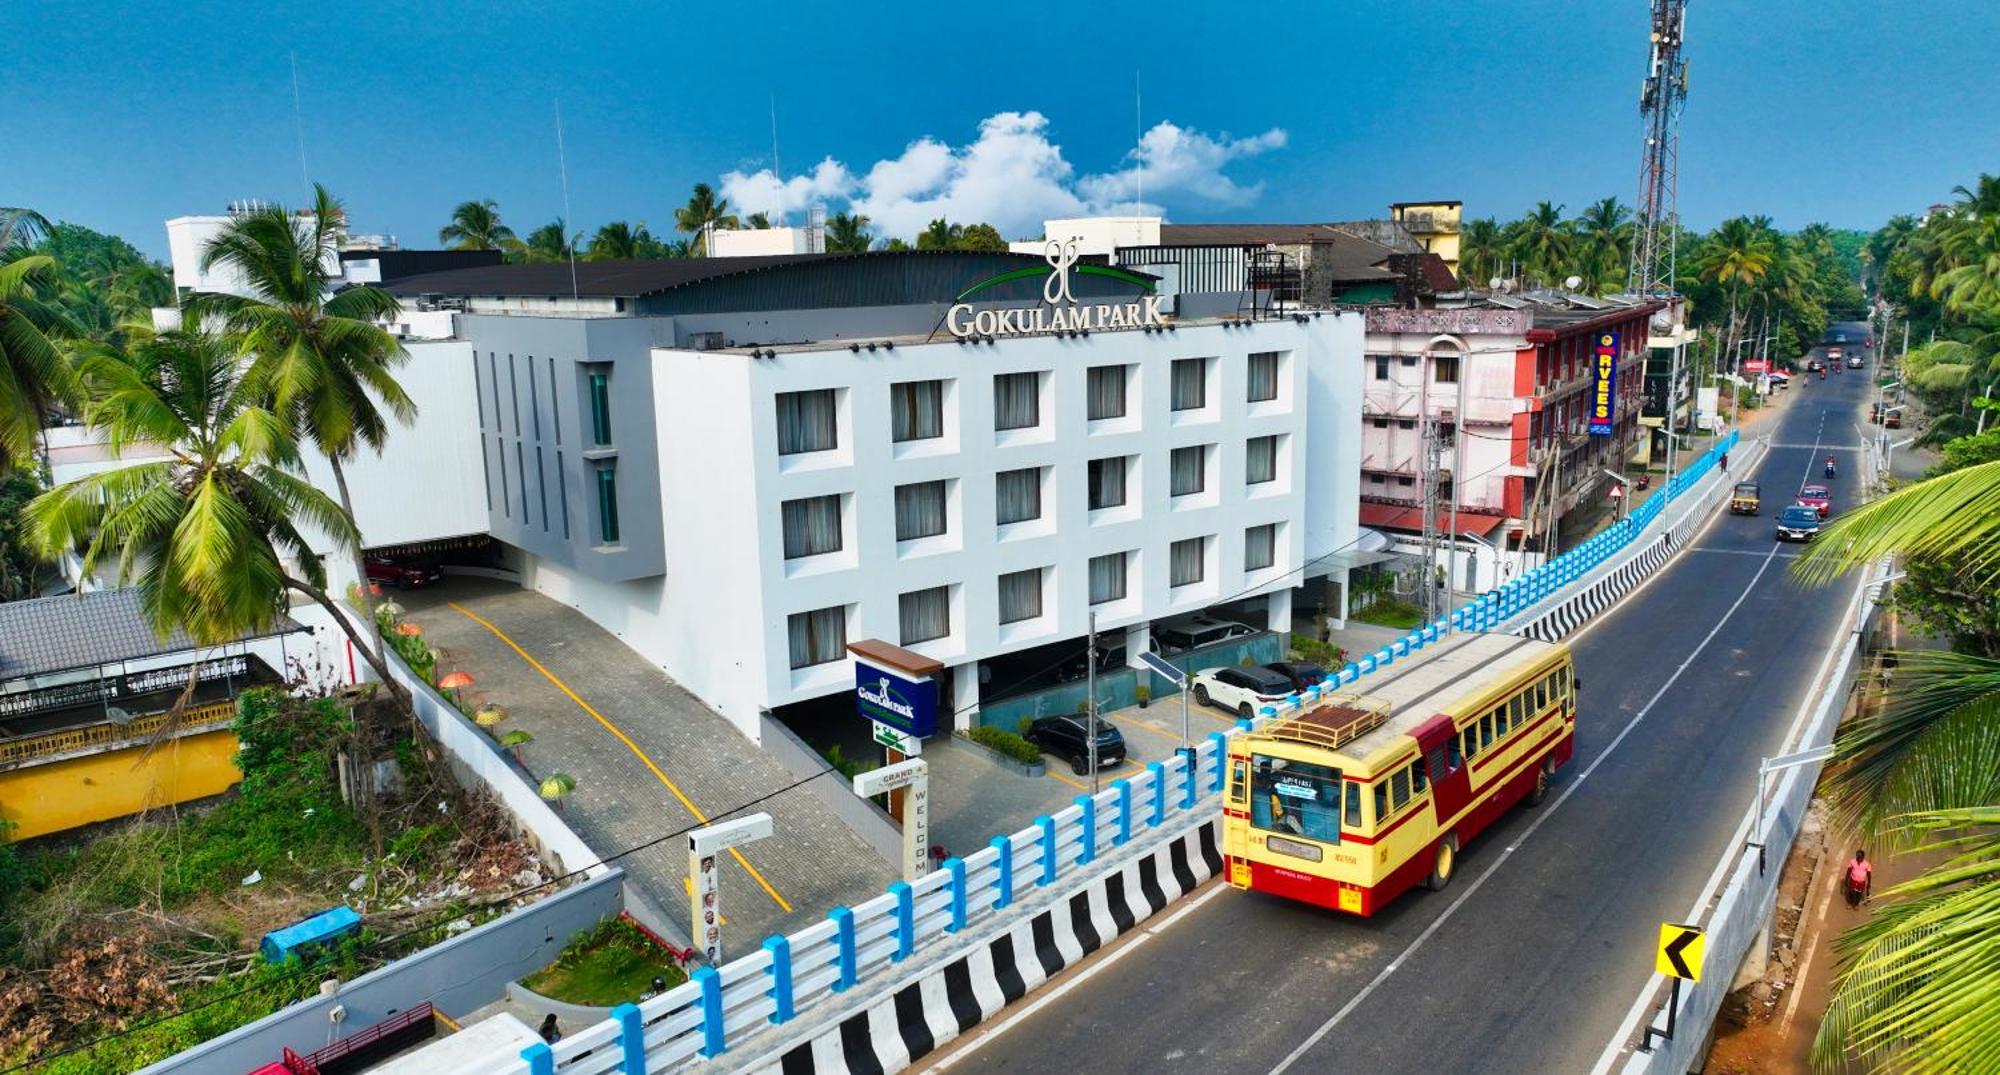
{"x":1746,"y":499}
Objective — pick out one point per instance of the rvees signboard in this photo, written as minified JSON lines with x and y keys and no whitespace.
{"x":1604,"y":393}
{"x":906,"y":704}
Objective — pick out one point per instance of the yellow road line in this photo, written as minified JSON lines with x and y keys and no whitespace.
{"x":450,"y":1023}
{"x":622,"y":737}
{"x":1102,"y":774}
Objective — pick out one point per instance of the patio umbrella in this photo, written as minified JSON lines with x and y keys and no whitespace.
{"x":488,"y":715}
{"x":454,"y":680}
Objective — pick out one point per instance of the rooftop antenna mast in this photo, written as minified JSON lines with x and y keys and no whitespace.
{"x":1139,"y":147}
{"x":562,"y":166}
{"x":777,"y":170}
{"x":1660,"y":98}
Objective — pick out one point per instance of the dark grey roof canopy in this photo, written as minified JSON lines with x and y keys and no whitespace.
{"x":60,"y":634}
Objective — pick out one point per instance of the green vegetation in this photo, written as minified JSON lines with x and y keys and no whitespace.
{"x":842,"y":764}
{"x":1325,"y":654}
{"x":610,"y":965}
{"x":1390,"y":612}
{"x":476,"y":226}
{"x":1006,"y":742}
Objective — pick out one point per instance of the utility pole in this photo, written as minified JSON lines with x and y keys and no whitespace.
{"x":1090,"y":704}
{"x":1433,"y":463}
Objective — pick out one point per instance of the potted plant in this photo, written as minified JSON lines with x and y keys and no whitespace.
{"x":1144,"y":694}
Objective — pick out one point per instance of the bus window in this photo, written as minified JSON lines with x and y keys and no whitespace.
{"x":1399,"y":787}
{"x":1486,"y":731}
{"x":1541,"y":695}
{"x":1239,"y":781}
{"x":1354,"y":805}
{"x":1499,"y":721}
{"x":1470,"y":741}
{"x":1381,"y":801}
{"x":1517,"y":708}
{"x":1453,"y":757}
{"x":1419,"y":775}
{"x":1296,"y":797}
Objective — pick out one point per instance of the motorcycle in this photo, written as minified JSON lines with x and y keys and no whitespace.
{"x":1829,"y":470}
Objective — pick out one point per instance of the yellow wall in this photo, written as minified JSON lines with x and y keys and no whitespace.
{"x":1445,"y":244}
{"x":41,"y":799}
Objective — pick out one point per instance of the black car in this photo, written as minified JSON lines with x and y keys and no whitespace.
{"x":1303,"y":674}
{"x":1063,"y":736}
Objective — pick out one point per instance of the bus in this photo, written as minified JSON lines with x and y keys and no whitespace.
{"x":1358,"y":797}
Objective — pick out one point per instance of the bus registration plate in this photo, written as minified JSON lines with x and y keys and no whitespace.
{"x":1350,"y":900}
{"x":1239,"y":873}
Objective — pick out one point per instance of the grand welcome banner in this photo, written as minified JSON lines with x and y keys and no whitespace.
{"x":1604,"y":393}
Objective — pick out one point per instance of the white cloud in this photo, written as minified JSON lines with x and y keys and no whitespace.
{"x":1011,"y":176}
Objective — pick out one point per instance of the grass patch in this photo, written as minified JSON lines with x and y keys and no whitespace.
{"x":607,"y":966}
{"x":1390,"y":613}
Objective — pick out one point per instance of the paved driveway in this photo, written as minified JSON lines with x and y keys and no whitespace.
{"x":649,"y":759}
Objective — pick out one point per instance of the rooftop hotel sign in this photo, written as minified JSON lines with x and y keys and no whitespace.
{"x":1604,"y":391}
{"x":1060,"y":311}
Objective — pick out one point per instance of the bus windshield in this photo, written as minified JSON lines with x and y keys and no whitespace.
{"x":1296,"y":797}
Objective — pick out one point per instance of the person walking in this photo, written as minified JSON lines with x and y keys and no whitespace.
{"x":1725,"y":462}
{"x":1860,"y":879}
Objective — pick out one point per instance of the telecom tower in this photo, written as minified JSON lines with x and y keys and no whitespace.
{"x":1660,"y":99}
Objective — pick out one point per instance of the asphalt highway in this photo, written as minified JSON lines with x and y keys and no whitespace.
{"x":1532,"y":958}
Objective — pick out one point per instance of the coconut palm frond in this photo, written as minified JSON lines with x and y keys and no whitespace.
{"x":1952,"y":518}
{"x":1935,"y":746}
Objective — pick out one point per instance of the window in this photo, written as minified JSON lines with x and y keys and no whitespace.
{"x":1453,"y":756}
{"x":1419,"y":776}
{"x":1405,"y":479}
{"x":811,"y":526}
{"x":818,"y":636}
{"x":1406,"y":423}
{"x":924,"y":615}
{"x":1486,"y":731}
{"x":1260,"y":462}
{"x":1409,"y":360}
{"x":916,"y":410}
{"x":1445,"y":369}
{"x":1187,"y":561}
{"x":1106,"y":389}
{"x":1107,"y":578}
{"x":806,"y":422}
{"x":1190,"y":384}
{"x":1017,"y":495}
{"x":1518,"y":707}
{"x":1399,"y":788}
{"x":1107,"y":482}
{"x":1263,"y":376}
{"x":1379,"y":423}
{"x":1353,"y":805}
{"x":1260,"y":547}
{"x":1381,"y":801}
{"x":600,"y":407}
{"x":1188,"y":469}
{"x":607,"y":505}
{"x":919,"y":510}
{"x":1469,"y":740}
{"x":1541,"y":696}
{"x":1021,"y":595}
{"x":1296,"y":797}
{"x":1381,"y":369}
{"x":1017,"y":400}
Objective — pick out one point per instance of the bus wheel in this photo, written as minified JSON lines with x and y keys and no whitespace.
{"x":1441,"y":868}
{"x":1540,"y":794}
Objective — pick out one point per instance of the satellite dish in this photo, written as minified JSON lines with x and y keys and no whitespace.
{"x":1662,"y":321}
{"x":1573,"y":282}
{"x":1495,"y":283}
{"x":117,"y":715}
{"x":1506,"y":286}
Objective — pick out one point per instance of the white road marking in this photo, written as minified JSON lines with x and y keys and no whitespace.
{"x":1751,"y":552}
{"x":1080,"y":977}
{"x":1543,"y":816}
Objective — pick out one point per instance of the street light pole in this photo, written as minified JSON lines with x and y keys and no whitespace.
{"x":1090,"y":703}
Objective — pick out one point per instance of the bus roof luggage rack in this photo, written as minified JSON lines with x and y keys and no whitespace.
{"x":1341,"y":720}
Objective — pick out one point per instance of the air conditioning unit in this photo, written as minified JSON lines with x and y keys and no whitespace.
{"x":706,"y":341}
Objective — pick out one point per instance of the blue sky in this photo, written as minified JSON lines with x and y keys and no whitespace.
{"x":1836,"y":110}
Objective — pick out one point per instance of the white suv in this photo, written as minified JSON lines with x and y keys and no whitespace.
{"x":1244,"y":690}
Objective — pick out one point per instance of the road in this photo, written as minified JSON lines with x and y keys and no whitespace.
{"x":1531,"y":960}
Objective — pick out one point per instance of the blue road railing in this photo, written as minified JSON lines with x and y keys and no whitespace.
{"x":790,"y":976}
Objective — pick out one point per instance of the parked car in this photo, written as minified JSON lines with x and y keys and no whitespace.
{"x":1746,"y":499}
{"x":1179,"y":636}
{"x":1110,"y":659}
{"x":1798,"y":523}
{"x":1242,"y":690}
{"x":1817,"y":498}
{"x":1302,"y":674}
{"x":402,"y":574}
{"x":1063,"y":736}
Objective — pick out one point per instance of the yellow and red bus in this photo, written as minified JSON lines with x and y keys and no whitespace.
{"x":1360,"y":796}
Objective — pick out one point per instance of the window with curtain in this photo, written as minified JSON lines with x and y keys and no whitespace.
{"x":924,"y":615}
{"x":1017,"y":400}
{"x":1188,"y":469}
{"x":818,"y":636}
{"x":1021,"y":595}
{"x":1107,"y":482}
{"x":1260,"y":463}
{"x":806,"y":422}
{"x":919,"y":510}
{"x":1107,"y":391}
{"x":1187,"y":561}
{"x":917,"y":410}
{"x":1263,"y":376}
{"x":1017,"y":495}
{"x":811,"y":526}
{"x":1190,"y":384}
{"x":1107,"y":578}
{"x":1260,"y":547}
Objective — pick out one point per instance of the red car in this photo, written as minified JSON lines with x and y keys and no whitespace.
{"x":1817,"y":498}
{"x":402,"y":575}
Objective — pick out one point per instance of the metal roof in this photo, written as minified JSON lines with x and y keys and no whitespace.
{"x":85,"y":630}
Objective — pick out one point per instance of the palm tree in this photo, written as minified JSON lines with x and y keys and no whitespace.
{"x":847,"y":233}
{"x":1971,"y":250}
{"x":758,"y":221}
{"x":322,"y":360}
{"x":1736,"y":256}
{"x":1541,"y":242}
{"x":20,"y":229}
{"x":211,"y":535}
{"x":476,"y":226}
{"x":550,"y":242}
{"x":1481,"y":255}
{"x":34,"y":374}
{"x":941,"y":235}
{"x":1603,"y":245}
{"x":620,"y":241}
{"x":703,"y":209}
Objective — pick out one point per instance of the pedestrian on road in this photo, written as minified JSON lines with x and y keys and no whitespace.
{"x":549,"y":1032}
{"x":1725,"y":462}
{"x":1860,"y":879}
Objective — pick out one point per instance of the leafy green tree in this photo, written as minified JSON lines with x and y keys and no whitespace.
{"x":20,"y":229}
{"x":1543,"y":242}
{"x":19,"y":566}
{"x":211,"y":535}
{"x":621,"y":241}
{"x":982,"y":238}
{"x":35,"y":375}
{"x":847,"y":233}
{"x":320,"y":359}
{"x":702,"y":209}
{"x":476,"y":226}
{"x":896,"y":245}
{"x":550,"y":242}
{"x":1603,"y":245}
{"x":940,"y":235}
{"x":1737,"y":257}
{"x":1482,"y":252}
{"x":944,"y":235}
